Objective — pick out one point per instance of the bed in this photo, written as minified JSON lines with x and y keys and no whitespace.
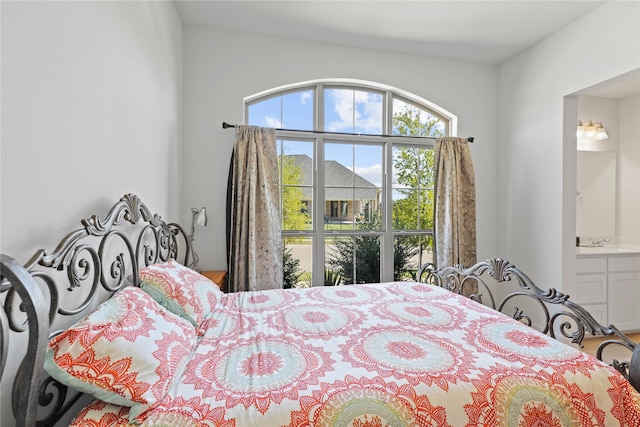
{"x":156,"y":343}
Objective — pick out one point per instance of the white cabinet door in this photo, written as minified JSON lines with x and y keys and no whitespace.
{"x":590,"y":289}
{"x":624,"y":300}
{"x":598,"y":311}
{"x":591,"y":265}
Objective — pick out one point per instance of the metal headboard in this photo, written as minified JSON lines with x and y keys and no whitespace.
{"x":56,"y":288}
{"x":550,"y":311}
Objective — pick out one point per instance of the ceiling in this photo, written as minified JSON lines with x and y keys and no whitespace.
{"x":617,"y":87}
{"x":473,"y":30}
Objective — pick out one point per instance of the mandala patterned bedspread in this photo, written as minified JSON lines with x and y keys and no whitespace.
{"x":391,"y":354}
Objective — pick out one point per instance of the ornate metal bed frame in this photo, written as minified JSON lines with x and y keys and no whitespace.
{"x":88,"y":266}
{"x":549,"y":311}
{"x":56,"y":288}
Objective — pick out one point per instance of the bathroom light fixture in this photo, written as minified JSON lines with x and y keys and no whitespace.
{"x":601,"y":134}
{"x":199,"y":218}
{"x":591,"y":130}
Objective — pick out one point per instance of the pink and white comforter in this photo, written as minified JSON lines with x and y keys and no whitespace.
{"x":393,"y":354}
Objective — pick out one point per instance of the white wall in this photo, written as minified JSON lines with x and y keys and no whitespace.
{"x":222,"y":67}
{"x":628,"y":185}
{"x":537,"y":163}
{"x":91,"y":110}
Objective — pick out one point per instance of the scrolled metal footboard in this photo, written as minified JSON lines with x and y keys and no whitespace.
{"x":56,"y":288}
{"x":550,"y":311}
{"x":34,"y":307}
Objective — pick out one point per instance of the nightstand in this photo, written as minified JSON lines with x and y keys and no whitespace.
{"x":219,"y":277}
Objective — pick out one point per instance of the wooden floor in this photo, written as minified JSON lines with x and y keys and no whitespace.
{"x":591,"y":345}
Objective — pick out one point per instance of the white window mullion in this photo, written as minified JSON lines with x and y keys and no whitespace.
{"x":388,"y":113}
{"x":319,"y":206}
{"x":387,"y":241}
{"x":319,"y":107}
{"x":318,"y":261}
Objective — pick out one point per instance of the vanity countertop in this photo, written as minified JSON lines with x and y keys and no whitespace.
{"x":606,"y":250}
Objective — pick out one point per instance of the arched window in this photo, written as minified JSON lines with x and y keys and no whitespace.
{"x":356,"y":177}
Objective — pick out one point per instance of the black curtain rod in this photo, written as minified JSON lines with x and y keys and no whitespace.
{"x":226,"y":125}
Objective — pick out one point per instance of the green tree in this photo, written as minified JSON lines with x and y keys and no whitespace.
{"x":291,"y":267}
{"x":414,"y":172}
{"x":357,"y":259}
{"x":294,"y":215}
{"x":407,"y":122}
{"x":415,"y":175}
{"x":294,"y":212}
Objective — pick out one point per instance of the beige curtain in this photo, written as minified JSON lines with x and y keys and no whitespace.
{"x":255,"y":243}
{"x":455,"y":203}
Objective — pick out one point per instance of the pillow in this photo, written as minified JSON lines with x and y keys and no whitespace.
{"x":127,"y":352}
{"x":100,"y":413}
{"x":181,"y":290}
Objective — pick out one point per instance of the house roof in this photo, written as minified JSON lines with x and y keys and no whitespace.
{"x":336,"y":179}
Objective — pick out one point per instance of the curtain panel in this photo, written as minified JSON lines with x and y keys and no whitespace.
{"x":455,"y":203}
{"x":254,"y":219}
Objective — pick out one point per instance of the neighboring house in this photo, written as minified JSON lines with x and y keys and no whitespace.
{"x":346,"y":193}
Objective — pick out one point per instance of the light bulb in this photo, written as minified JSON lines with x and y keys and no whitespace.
{"x":601,"y":134}
{"x":590,"y":130}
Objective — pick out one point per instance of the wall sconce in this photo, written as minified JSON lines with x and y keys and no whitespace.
{"x":199,"y":218}
{"x":591,"y":130}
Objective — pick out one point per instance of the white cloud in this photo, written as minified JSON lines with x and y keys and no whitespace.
{"x":305,"y":96}
{"x":372,"y":173}
{"x":272,"y":122}
{"x":367,"y":113}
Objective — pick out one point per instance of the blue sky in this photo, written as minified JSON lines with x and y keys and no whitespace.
{"x":346,"y":110}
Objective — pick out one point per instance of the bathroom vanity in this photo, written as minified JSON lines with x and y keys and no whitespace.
{"x":607,"y":284}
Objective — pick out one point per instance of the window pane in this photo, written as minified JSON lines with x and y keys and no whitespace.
{"x":356,"y":259}
{"x":367,"y":259}
{"x":410,"y":252}
{"x":339,"y":254}
{"x":297,"y":254}
{"x":411,"y":166}
{"x":265,"y":113}
{"x":425,"y":214}
{"x":295,"y":161}
{"x":291,"y":111}
{"x":352,"y":200}
{"x":413,"y":179}
{"x":297,"y":110}
{"x":368,"y":165}
{"x":353,"y":111}
{"x":338,"y":165}
{"x":410,"y":120}
{"x":405,"y":209}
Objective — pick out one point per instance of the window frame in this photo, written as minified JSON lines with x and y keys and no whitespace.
{"x":320,"y":136}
